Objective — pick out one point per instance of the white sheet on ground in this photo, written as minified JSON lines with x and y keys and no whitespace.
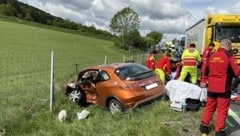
{"x":178,"y":91}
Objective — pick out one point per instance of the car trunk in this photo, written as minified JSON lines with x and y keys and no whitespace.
{"x":145,"y":87}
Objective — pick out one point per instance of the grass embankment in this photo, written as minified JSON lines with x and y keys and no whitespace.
{"x":31,"y":23}
{"x":25,"y":74}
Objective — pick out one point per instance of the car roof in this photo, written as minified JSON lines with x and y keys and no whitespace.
{"x":110,"y":66}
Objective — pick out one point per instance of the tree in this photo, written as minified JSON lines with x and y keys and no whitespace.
{"x":7,"y":10}
{"x":153,"y":38}
{"x":133,"y":39}
{"x":28,"y":17}
{"x":123,"y":23}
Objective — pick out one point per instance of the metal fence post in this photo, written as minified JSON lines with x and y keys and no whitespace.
{"x":124,"y":58}
{"x":105,"y":60}
{"x":51,"y":82}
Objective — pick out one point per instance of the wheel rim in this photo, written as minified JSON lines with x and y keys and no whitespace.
{"x":75,"y":96}
{"x":114,"y":107}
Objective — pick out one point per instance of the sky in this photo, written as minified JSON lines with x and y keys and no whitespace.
{"x":171,"y":17}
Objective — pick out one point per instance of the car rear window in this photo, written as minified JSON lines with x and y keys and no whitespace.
{"x":133,"y":72}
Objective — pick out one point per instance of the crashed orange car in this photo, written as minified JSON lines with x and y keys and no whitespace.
{"x":117,"y":87}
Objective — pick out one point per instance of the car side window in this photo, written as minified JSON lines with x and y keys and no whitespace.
{"x":105,"y":76}
{"x":102,"y":76}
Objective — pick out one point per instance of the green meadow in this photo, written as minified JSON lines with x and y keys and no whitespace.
{"x":25,"y":76}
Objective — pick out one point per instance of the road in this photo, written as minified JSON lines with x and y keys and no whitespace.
{"x":233,"y":119}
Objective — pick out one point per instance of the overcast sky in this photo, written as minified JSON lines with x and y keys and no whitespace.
{"x":171,"y":17}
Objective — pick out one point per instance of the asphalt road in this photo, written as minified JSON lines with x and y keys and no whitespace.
{"x":233,"y":119}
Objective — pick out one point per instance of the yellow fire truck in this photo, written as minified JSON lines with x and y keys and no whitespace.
{"x":213,"y":28}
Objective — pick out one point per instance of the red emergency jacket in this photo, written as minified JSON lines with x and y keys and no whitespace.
{"x":222,"y":66}
{"x":206,"y":53}
{"x":150,"y":61}
{"x":164,"y":64}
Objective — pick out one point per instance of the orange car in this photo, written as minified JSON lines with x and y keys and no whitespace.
{"x":118,"y":86}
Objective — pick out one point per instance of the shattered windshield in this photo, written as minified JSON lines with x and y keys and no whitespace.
{"x":230,"y":32}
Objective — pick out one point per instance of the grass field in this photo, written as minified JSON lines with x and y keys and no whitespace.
{"x":25,"y":77}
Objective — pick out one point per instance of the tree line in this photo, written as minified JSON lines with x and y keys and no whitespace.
{"x":124,"y":25}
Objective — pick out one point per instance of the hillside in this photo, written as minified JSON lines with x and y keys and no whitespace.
{"x":14,"y":8}
{"x":21,"y":10}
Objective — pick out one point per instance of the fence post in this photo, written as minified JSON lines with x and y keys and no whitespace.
{"x":105,"y":60}
{"x":124,"y":58}
{"x":76,"y":69}
{"x":138,"y":58}
{"x":51,"y":83}
{"x":140,"y":61}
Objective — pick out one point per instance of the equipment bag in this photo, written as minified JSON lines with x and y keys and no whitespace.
{"x":193,"y":104}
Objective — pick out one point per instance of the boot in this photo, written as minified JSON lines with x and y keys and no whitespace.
{"x":220,"y":134}
{"x":204,"y":130}
{"x":223,"y":132}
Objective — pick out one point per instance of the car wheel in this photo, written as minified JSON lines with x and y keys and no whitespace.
{"x":75,"y":96}
{"x":115,"y":106}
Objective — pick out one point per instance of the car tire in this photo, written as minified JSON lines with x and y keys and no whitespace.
{"x":115,"y":106}
{"x":75,"y":96}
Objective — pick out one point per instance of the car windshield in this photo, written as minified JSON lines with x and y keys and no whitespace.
{"x":133,"y":72}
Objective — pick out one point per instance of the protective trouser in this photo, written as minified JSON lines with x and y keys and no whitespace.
{"x":203,"y":71}
{"x":161,"y":74}
{"x":192,"y":70}
{"x":221,"y":105}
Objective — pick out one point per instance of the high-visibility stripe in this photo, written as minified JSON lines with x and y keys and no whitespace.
{"x":189,"y":62}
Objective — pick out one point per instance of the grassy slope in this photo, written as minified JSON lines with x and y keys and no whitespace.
{"x":24,"y":110}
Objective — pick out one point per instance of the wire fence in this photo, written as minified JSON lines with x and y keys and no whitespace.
{"x":25,"y":75}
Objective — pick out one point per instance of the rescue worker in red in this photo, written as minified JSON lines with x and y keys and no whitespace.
{"x":206,"y":54}
{"x":222,"y":66}
{"x":190,"y":59}
{"x":163,"y":66}
{"x":150,"y":61}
